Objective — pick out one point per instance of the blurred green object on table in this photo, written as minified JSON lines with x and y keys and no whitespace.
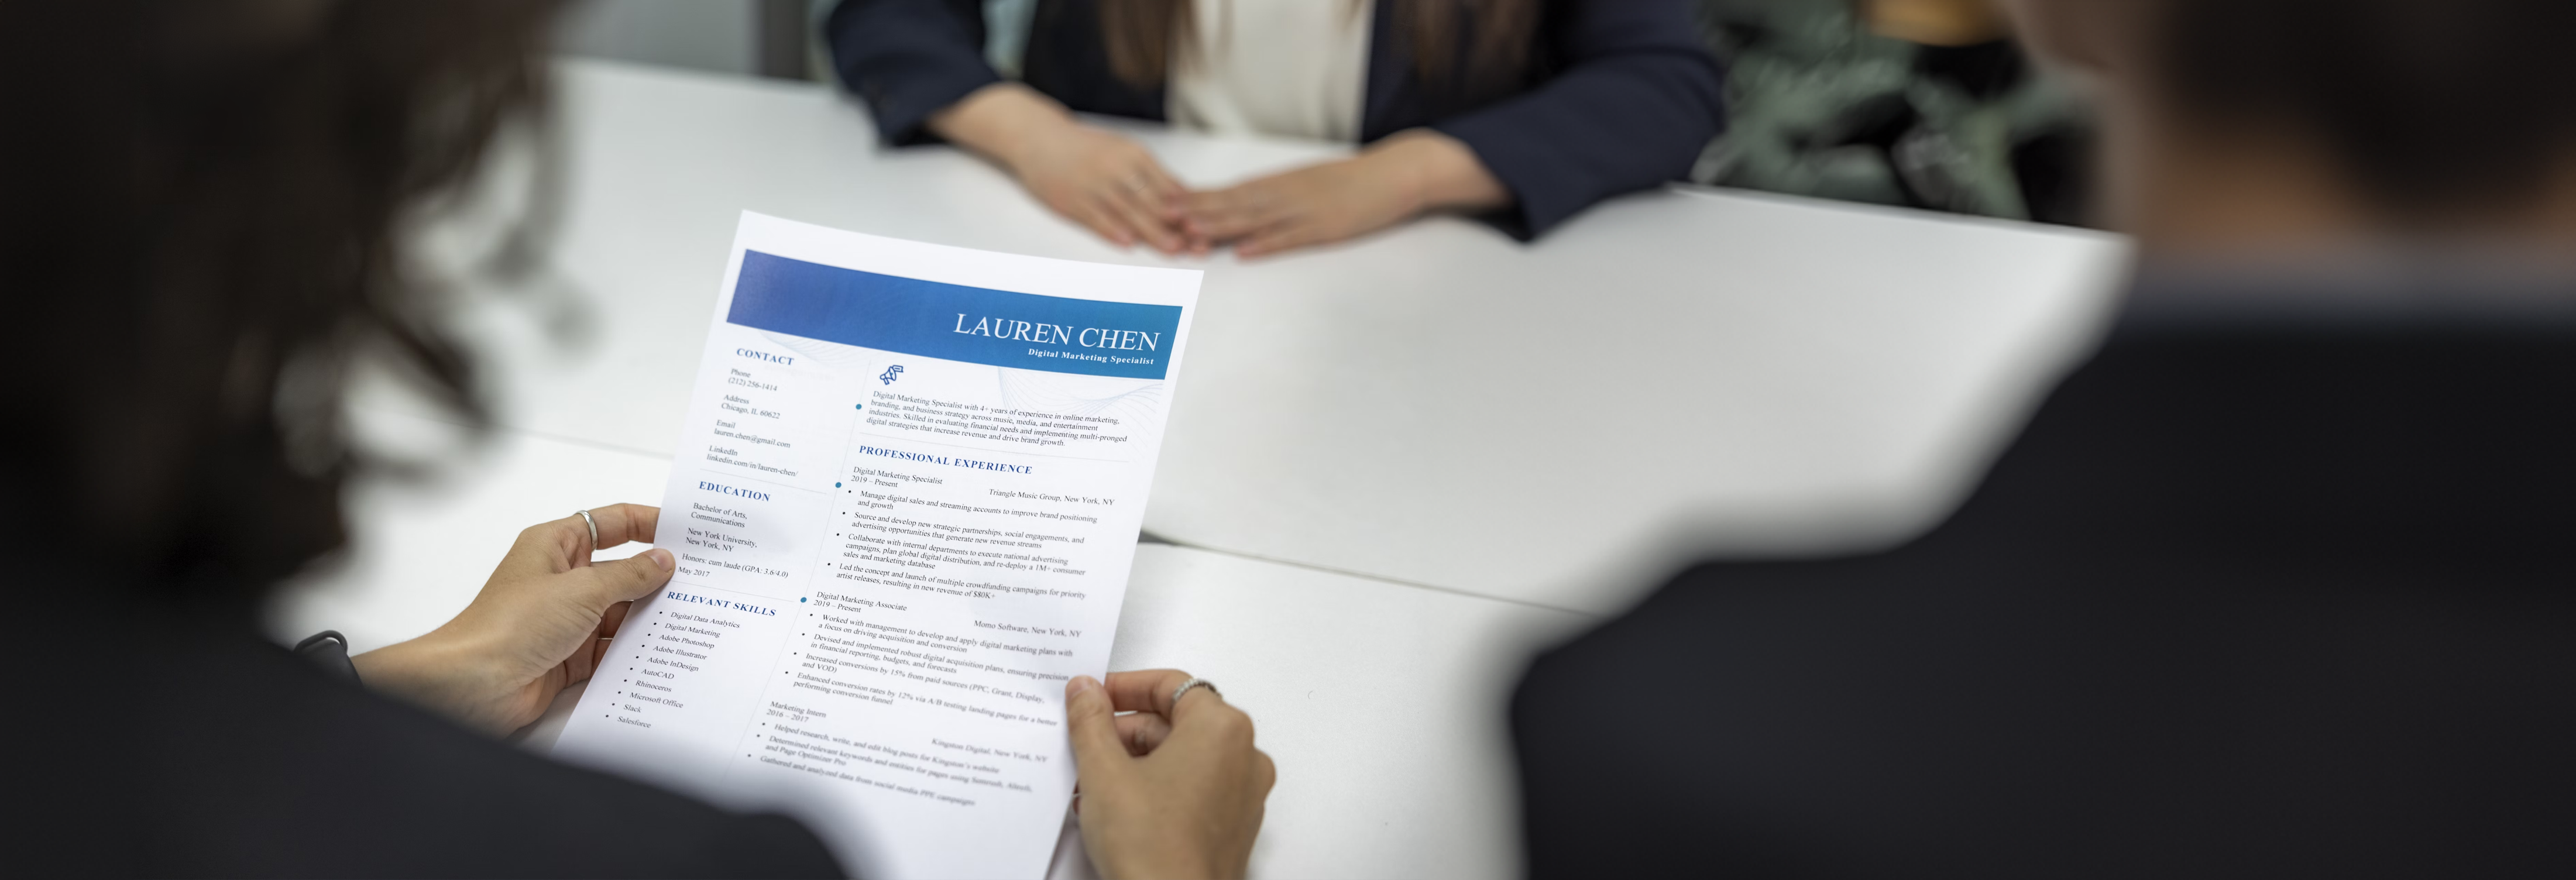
{"x":1920,"y":103}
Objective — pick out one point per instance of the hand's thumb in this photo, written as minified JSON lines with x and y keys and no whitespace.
{"x":1092,"y":721}
{"x":631,"y":578}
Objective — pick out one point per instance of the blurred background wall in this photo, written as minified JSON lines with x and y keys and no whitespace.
{"x":773,"y":38}
{"x":746,"y":37}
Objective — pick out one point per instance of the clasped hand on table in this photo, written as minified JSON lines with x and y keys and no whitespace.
{"x":1165,"y":790}
{"x":1114,"y":185}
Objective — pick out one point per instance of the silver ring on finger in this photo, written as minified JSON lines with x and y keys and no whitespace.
{"x":594,"y":529}
{"x":1194,"y":682}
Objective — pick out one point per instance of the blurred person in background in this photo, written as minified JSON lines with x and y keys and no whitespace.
{"x":199,"y":205}
{"x":1522,"y":111}
{"x":2276,"y":584}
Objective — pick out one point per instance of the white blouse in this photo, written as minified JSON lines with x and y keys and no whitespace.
{"x":1297,"y":68}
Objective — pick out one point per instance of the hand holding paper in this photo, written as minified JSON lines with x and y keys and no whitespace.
{"x":539,"y":625}
{"x":1167,"y":791}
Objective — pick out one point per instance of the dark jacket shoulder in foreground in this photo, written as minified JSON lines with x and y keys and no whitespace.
{"x":2277,"y":594}
{"x":150,"y":741}
{"x":1621,"y":94}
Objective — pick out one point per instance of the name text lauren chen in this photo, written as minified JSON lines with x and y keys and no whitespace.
{"x":1059,"y":334}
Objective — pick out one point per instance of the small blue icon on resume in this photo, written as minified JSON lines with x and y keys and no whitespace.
{"x":890,"y":374}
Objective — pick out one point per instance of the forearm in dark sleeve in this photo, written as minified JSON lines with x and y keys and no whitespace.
{"x":1635,"y":102}
{"x":909,"y":59}
{"x":775,"y":846}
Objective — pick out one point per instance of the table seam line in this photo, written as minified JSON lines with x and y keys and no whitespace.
{"x":496,"y":426}
{"x":1150,"y":537}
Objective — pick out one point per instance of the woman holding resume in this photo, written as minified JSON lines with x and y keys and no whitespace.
{"x":200,"y":244}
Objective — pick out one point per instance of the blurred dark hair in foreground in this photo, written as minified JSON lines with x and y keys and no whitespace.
{"x":199,"y":212}
{"x":2433,"y":107}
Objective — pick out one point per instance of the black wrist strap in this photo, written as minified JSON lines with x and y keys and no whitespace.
{"x":330,"y":651}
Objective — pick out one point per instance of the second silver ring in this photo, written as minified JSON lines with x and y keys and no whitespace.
{"x":1194,"y":682}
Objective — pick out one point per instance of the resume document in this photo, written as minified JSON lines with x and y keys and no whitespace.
{"x":903,"y":510}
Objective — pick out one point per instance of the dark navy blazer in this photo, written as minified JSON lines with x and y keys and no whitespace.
{"x":2274,"y":586}
{"x":1620,"y":95}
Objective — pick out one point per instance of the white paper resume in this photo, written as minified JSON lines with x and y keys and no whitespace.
{"x":903,"y":510}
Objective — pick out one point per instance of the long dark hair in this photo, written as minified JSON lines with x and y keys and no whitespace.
{"x":2434,"y":109}
{"x":1141,"y":36}
{"x":199,"y":213}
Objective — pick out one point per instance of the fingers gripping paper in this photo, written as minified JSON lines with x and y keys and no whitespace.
{"x":903,"y":511}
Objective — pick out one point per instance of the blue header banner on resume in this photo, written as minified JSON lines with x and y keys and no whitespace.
{"x":953,"y":321}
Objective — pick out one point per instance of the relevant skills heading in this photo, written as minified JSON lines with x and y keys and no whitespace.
{"x":1059,"y":334}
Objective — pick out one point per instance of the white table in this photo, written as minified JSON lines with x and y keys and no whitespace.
{"x":1673,"y":372}
{"x":1399,"y":464}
